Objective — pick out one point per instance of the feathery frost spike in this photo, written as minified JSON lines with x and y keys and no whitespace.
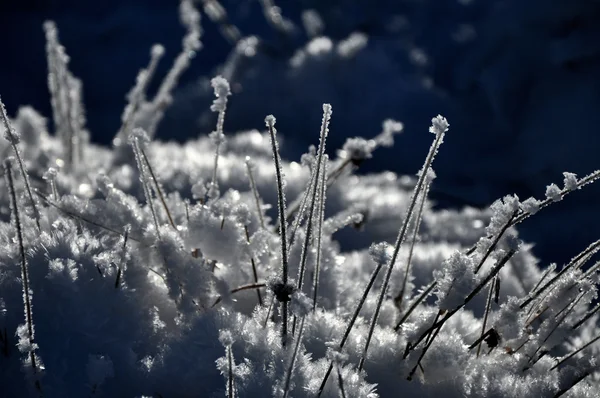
{"x":270,"y":122}
{"x":25,"y":332}
{"x":190,"y":19}
{"x":222,"y":91}
{"x":439,"y":126}
{"x":318,"y":175}
{"x":13,"y":137}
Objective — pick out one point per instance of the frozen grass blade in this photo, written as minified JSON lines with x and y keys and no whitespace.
{"x":253,"y":262}
{"x":488,"y":304}
{"x":137,"y":95}
{"x":13,"y":138}
{"x":577,"y":351}
{"x":573,"y":384}
{"x":24,"y":271}
{"x":417,"y":222}
{"x":439,"y":127}
{"x":250,"y":170}
{"x":319,"y":237}
{"x":378,"y":254}
{"x":414,"y":305}
{"x":319,"y":172}
{"x":157,"y":189}
{"x":290,"y":368}
{"x":270,"y":122}
{"x":593,"y":248}
{"x":134,"y":139}
{"x":250,"y":286}
{"x":222,"y":91}
{"x":493,"y":272}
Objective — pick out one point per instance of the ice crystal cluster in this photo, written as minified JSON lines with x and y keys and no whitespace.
{"x":215,"y":268}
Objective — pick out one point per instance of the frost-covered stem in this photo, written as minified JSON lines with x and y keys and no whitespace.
{"x":497,"y":238}
{"x":320,"y":221}
{"x":301,"y":210}
{"x":562,"y":319}
{"x":352,"y":321}
{"x":590,"y":178}
{"x":299,"y":206}
{"x":269,"y":311}
{"x":573,"y":384}
{"x":123,"y":256}
{"x":309,"y":226}
{"x":571,"y":355}
{"x":337,"y":172}
{"x":254,"y":272}
{"x":239,"y":289}
{"x":414,"y":305}
{"x":494,"y":271}
{"x":186,"y":203}
{"x":340,"y":382}
{"x":229,"y":372}
{"x":255,"y":192}
{"x":24,"y":268}
{"x":137,"y":94}
{"x":13,"y":138}
{"x":593,"y":269}
{"x":423,"y":352}
{"x":439,"y":128}
{"x":585,"y":255}
{"x":53,"y":189}
{"x":288,"y":374}
{"x":320,"y":168}
{"x":488,"y":304}
{"x":144,"y":180}
{"x":549,"y":269}
{"x":220,"y":122}
{"x":593,"y":248}
{"x":587,"y":316}
{"x":81,"y":218}
{"x":157,"y":188}
{"x":270,"y":122}
{"x":417,"y":222}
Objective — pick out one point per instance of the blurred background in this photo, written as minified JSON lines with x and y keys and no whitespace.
{"x":518,"y":81}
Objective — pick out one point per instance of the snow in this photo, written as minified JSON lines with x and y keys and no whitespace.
{"x":139,"y":291}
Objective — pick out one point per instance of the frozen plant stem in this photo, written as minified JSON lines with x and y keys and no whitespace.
{"x":488,"y":304}
{"x":320,"y":221}
{"x":230,"y":372}
{"x":13,"y":137}
{"x":157,"y":188}
{"x":270,"y":122}
{"x":288,"y":376}
{"x":241,"y":288}
{"x":222,"y":91}
{"x":24,"y":269}
{"x":415,"y":303}
{"x":144,"y":180}
{"x":250,"y":169}
{"x":319,"y":165}
{"x":594,"y":247}
{"x":493,"y":272}
{"x":352,"y":321}
{"x":123,"y":256}
{"x":417,"y":223}
{"x":253,"y":262}
{"x":439,"y":127}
